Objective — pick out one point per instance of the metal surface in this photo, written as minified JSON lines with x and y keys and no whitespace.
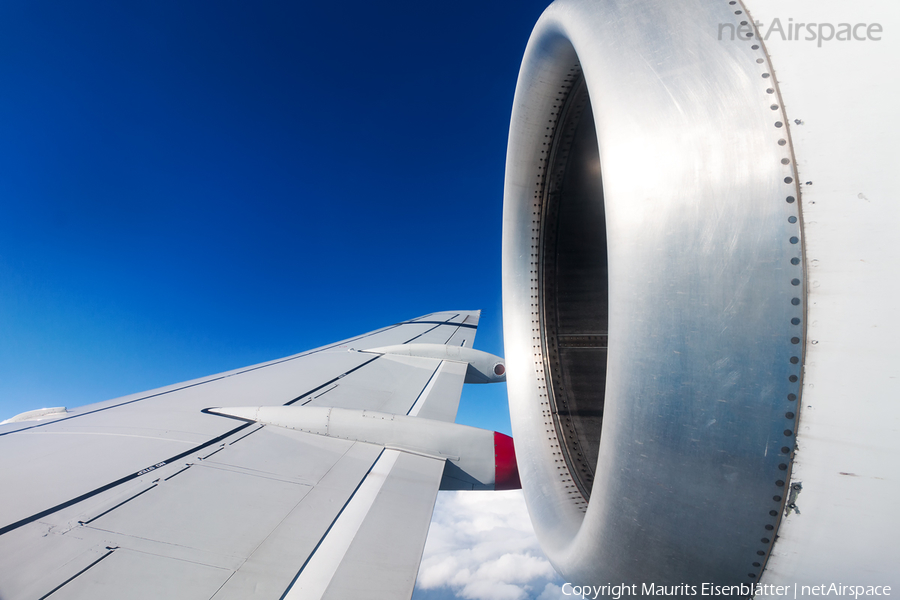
{"x":705,"y":293}
{"x":482,"y":366}
{"x":841,"y":96}
{"x":470,"y":449}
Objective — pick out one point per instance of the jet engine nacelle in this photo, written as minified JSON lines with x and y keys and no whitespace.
{"x":699,"y":273}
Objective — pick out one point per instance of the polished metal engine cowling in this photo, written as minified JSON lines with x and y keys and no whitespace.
{"x":653,"y":291}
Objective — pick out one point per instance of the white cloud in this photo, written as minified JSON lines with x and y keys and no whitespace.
{"x":481,"y":546}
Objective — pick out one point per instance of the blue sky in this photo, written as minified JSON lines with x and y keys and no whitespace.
{"x":190,"y":187}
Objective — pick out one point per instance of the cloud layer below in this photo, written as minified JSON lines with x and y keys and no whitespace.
{"x":481,"y":546}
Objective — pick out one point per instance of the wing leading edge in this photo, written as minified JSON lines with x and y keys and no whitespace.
{"x":150,"y":495}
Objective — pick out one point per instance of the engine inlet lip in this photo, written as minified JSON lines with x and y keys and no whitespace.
{"x":703,"y":344}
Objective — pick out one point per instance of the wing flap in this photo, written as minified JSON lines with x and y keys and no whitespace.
{"x":440,"y":399}
{"x":383,"y":559}
{"x":373,"y":548}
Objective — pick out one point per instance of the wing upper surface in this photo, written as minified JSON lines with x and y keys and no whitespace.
{"x":148,"y":494}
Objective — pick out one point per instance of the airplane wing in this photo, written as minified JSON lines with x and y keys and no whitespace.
{"x":153,"y":496}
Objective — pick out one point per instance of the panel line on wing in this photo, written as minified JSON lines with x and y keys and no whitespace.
{"x":467,"y":325}
{"x":423,"y":395}
{"x":329,"y":382}
{"x":188,"y":466}
{"x":323,"y":392}
{"x":125,"y":501}
{"x":469,"y":322}
{"x":307,"y":582}
{"x":75,"y":576}
{"x":455,"y":331}
{"x":447,"y":322}
{"x":211,"y":453}
{"x":417,"y":319}
{"x":245,"y":435}
{"x":117,"y":482}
